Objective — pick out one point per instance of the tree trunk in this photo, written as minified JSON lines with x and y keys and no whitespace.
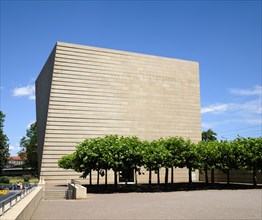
{"x":106,"y":177}
{"x":136,"y":177}
{"x":212,"y":175}
{"x":115,"y":178}
{"x":158,"y":176}
{"x":228,"y":177}
{"x":254,"y":176}
{"x":150,"y":176}
{"x":166,"y":176}
{"x":190,"y":175}
{"x":206,"y":174}
{"x":97,"y":178}
{"x":90,"y":177}
{"x":172,"y":175}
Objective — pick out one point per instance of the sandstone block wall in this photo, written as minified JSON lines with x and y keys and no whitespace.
{"x":85,"y":92}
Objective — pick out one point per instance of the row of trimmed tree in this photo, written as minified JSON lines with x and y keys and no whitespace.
{"x":124,"y":153}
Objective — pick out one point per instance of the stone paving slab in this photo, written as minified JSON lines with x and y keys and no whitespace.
{"x":210,"y":204}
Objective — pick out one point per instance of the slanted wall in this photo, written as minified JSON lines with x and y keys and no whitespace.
{"x":96,"y":92}
{"x":43,"y":87}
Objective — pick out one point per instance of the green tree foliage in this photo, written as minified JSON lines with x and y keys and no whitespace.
{"x":101,"y":154}
{"x":208,"y":156}
{"x":175,"y":145}
{"x":124,"y":153}
{"x":191,"y":158}
{"x":113,"y":149}
{"x":184,"y":154}
{"x":68,"y":161}
{"x":167,"y":158}
{"x":28,"y":144}
{"x":226,"y":160}
{"x":131,"y":156}
{"x":4,"y":146}
{"x":105,"y":160}
{"x":4,"y":179}
{"x":155,"y":156}
{"x":209,"y":135}
{"x":86,"y":157}
{"x":250,"y":154}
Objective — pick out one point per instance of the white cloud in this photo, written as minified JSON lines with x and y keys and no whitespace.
{"x":254,"y":121}
{"x":29,"y":124}
{"x":257,"y":90}
{"x":14,"y":149}
{"x":251,"y":106}
{"x":208,"y":125}
{"x":215,"y":109}
{"x":11,"y":147}
{"x":248,"y":121}
{"x":246,"y":110}
{"x":28,"y":91}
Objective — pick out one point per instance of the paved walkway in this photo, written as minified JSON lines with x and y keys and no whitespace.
{"x":211,"y":204}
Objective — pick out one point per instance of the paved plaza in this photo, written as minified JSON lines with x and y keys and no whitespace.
{"x":209,"y":204}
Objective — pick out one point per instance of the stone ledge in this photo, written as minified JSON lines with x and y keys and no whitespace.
{"x":26,"y":207}
{"x":79,"y":192}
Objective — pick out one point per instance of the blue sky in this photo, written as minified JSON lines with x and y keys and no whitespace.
{"x":223,"y":36}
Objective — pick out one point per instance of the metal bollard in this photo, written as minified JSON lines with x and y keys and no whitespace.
{"x":69,"y":194}
{"x":3,"y":208}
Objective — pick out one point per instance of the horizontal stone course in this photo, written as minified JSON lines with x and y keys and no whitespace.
{"x":92,"y":92}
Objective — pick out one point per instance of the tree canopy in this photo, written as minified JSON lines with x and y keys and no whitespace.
{"x":120,"y":153}
{"x":209,"y":135}
{"x":4,"y":146}
{"x":28,"y":144}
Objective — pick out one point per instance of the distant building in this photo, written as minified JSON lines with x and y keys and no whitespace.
{"x":84,"y":92}
{"x":15,"y":161}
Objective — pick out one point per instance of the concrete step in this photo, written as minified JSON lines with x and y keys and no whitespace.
{"x":54,"y":194}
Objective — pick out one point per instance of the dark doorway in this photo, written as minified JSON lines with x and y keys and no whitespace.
{"x":126,"y":176}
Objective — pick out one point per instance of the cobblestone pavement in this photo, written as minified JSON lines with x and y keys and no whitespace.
{"x":210,"y":204}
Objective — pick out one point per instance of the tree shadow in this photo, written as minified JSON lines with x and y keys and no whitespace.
{"x":144,"y":188}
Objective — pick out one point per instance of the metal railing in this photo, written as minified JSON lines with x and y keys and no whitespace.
{"x":9,"y":202}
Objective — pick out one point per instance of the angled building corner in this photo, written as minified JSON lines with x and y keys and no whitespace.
{"x":43,"y":90}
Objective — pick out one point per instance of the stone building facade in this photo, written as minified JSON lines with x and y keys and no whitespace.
{"x":84,"y":92}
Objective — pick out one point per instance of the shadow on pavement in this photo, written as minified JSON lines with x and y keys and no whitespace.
{"x":128,"y":188}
